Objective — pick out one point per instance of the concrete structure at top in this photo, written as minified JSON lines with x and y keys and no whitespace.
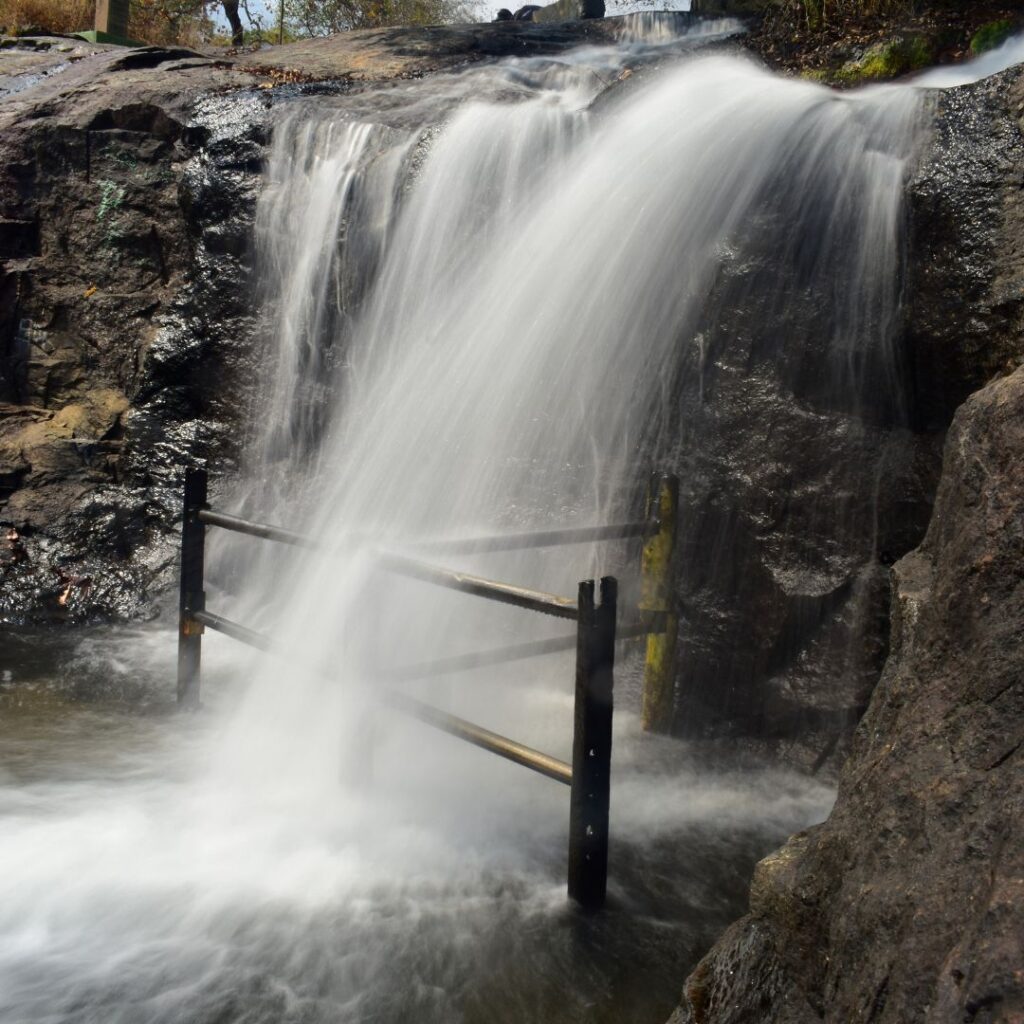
{"x":111,"y":24}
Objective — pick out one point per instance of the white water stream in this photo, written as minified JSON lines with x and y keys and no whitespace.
{"x":489,"y":348}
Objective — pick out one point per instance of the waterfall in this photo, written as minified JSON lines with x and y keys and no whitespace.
{"x":483,"y":296}
{"x":1008,"y":54}
{"x":550,"y":264}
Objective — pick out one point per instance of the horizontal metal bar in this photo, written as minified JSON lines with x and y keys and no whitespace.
{"x":505,"y":593}
{"x":541,"y":539}
{"x":471,"y":545}
{"x":247,"y":636}
{"x":239,"y":525}
{"x":481,"y":659}
{"x":543,"y":764}
{"x":651,"y":622}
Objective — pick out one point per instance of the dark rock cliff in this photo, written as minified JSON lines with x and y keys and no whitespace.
{"x":784,"y":562}
{"x":123,"y":269}
{"x":906,"y":904}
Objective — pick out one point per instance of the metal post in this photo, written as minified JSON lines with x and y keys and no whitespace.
{"x":192,"y":595}
{"x":656,"y":595}
{"x":112,"y":18}
{"x":592,"y":745}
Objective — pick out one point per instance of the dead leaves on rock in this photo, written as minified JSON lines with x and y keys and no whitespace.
{"x":279,"y":76}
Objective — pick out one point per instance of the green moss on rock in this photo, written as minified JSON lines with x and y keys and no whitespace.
{"x":989,"y":36}
{"x":888,"y":60}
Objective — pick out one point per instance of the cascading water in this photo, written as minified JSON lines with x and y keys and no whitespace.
{"x":544,"y":276}
{"x":481,"y":326}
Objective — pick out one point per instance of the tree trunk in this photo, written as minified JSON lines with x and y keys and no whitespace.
{"x":231,"y":12}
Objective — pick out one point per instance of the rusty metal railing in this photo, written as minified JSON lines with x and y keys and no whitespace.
{"x":589,"y":774}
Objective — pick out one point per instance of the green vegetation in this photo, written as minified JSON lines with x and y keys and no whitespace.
{"x":888,"y":60}
{"x":325,"y":17}
{"x":817,"y":13}
{"x":989,"y":36}
{"x":151,"y":21}
{"x":49,"y":15}
{"x":191,"y":22}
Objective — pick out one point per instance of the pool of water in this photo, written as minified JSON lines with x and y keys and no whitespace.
{"x":138,"y":882}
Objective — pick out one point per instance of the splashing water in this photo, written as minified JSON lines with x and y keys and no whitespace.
{"x":1009,"y":54}
{"x":542,"y":277}
{"x":489,"y":347}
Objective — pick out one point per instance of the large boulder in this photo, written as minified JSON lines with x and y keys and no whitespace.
{"x":907,"y":905}
{"x":569,"y":10}
{"x":125,"y":320}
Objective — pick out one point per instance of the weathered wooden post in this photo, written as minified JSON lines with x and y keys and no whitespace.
{"x":111,"y":19}
{"x":657,"y":600}
{"x":192,"y":596}
{"x":592,"y":745}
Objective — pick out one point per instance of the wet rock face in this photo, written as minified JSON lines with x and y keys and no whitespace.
{"x":905,"y":905}
{"x":784,"y":561}
{"x":794,"y":502}
{"x":129,"y":341}
{"x":125,"y":326}
{"x":965,"y":319}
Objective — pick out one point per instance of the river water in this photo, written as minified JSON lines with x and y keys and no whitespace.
{"x":133,"y":890}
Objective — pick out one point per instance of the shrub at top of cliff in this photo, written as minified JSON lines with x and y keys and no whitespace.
{"x":58,"y":16}
{"x":151,"y":21}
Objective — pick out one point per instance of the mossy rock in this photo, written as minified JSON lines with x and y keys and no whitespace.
{"x":887,"y":60}
{"x":989,"y":36}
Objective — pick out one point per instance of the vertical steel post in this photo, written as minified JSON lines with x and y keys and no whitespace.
{"x":112,"y":18}
{"x":592,"y":745}
{"x":656,"y":597}
{"x":192,"y":597}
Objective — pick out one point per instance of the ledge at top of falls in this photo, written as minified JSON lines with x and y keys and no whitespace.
{"x":406,"y":52}
{"x":38,"y":74}
{"x":42,"y":69}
